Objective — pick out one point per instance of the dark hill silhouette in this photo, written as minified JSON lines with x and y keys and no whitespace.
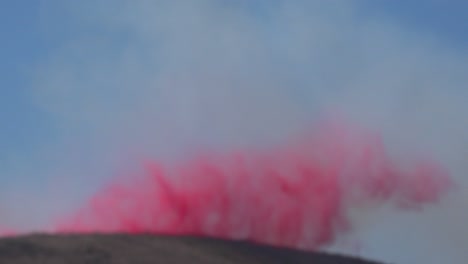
{"x":148,"y":249}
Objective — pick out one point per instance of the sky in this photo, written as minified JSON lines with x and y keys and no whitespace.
{"x":89,"y":86}
{"x":27,"y":41}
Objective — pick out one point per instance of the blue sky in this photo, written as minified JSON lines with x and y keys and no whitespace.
{"x":445,"y":19}
{"x":23,"y":45}
{"x":26,"y":42}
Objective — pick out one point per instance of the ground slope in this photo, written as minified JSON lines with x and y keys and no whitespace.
{"x":142,"y":249}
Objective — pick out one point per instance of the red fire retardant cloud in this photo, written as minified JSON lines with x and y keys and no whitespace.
{"x":295,"y":195}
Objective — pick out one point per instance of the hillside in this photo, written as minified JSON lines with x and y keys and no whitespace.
{"x":142,"y":249}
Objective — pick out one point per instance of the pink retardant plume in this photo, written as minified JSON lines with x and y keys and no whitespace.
{"x":296,"y":195}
